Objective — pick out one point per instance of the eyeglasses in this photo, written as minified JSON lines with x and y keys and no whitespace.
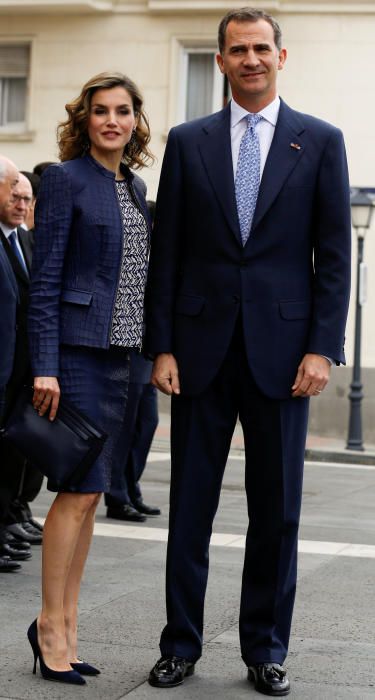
{"x":19,"y":198}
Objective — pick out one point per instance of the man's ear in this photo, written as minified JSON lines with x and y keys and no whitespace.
{"x":282,"y":58}
{"x":220,"y":62}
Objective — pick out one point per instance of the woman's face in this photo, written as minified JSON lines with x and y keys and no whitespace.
{"x":111,"y":120}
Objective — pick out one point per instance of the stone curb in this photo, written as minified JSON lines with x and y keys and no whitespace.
{"x":312,"y":454}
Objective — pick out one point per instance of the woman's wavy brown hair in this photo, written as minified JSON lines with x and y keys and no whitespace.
{"x":72,"y":134}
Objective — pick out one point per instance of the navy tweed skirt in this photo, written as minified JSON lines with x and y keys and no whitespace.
{"x":96,"y":382}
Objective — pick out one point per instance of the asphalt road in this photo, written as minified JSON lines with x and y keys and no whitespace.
{"x":122,"y":604}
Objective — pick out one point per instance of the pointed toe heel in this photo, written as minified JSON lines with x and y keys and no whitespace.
{"x":85,"y":669}
{"x":72,"y":677}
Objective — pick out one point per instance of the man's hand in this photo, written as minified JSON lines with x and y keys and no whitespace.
{"x":165,"y":374}
{"x":312,"y":376}
{"x":46,"y":393}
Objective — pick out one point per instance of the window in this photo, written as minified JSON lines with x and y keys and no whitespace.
{"x":203,"y":88}
{"x":14,"y":71}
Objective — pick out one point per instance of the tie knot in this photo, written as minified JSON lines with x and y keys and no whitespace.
{"x":13,"y":236}
{"x":253,"y":119}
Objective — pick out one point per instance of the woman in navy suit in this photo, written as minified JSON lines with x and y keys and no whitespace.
{"x":86,"y":312}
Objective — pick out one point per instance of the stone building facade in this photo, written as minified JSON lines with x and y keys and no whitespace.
{"x":49,"y":48}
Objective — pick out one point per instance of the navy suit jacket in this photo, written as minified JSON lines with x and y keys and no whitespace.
{"x":21,"y":363}
{"x":9,"y":300}
{"x":77,"y":258}
{"x":290,"y":281}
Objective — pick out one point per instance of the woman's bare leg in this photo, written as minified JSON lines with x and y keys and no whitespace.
{"x":60,"y":538}
{"x":73,"y":582}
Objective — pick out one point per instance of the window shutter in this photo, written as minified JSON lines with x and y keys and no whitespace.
{"x":14,"y":61}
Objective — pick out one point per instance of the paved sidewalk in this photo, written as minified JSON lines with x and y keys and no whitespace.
{"x":122,"y":605}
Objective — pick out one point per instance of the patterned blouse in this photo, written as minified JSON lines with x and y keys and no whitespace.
{"x":127,"y":323}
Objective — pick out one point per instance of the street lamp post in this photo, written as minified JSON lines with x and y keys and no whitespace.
{"x":362,"y":209}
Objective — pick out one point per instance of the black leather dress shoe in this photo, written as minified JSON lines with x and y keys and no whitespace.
{"x":29,"y":535}
{"x":30,"y":528}
{"x":142,"y":507}
{"x":6,"y":537}
{"x":7,"y":564}
{"x":170,"y":671}
{"x":14,"y":554}
{"x":269,"y":679}
{"x":126,"y":512}
{"x":36,"y":525}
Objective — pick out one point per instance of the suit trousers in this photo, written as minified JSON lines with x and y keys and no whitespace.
{"x":141,"y":420}
{"x":274,"y":433}
{"x":12,"y":462}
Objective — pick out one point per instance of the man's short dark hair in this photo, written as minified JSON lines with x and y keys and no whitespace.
{"x":247,"y":14}
{"x":34,"y":181}
{"x":41,"y":167}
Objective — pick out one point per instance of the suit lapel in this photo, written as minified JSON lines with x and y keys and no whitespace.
{"x":26,"y":242}
{"x":281,"y":161}
{"x":7,"y":268}
{"x":16,"y":265}
{"x":216,"y":153}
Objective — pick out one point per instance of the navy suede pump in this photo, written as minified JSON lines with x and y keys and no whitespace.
{"x":48,"y":673}
{"x":85,"y":669}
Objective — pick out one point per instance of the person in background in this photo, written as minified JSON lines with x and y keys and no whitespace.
{"x":34,"y":180}
{"x":92,"y":235}
{"x":248,"y":296}
{"x":20,"y":522}
{"x":16,"y":245}
{"x":9,"y":295}
{"x":124,"y":501}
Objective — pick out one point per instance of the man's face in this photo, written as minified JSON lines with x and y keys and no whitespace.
{"x":251,"y":60}
{"x":17,"y":208}
{"x":7,"y":185}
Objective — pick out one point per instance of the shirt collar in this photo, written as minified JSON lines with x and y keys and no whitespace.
{"x":269,"y":113}
{"x":6,"y":230}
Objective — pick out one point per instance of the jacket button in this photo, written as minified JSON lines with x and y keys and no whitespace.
{"x":243,"y":263}
{"x":236,"y":299}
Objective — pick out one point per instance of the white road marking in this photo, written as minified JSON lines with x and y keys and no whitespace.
{"x":155,"y":534}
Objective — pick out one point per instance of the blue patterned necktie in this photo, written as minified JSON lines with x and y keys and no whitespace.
{"x":13,"y":244}
{"x":248,"y":176}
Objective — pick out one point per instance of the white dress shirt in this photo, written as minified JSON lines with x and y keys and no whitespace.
{"x":7,"y":231}
{"x":265,"y":130}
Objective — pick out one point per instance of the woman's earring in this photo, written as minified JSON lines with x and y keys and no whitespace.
{"x":132,"y":146}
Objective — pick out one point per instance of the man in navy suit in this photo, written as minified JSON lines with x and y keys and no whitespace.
{"x":247,"y":303}
{"x":9,"y":296}
{"x":25,"y":480}
{"x":8,"y":287}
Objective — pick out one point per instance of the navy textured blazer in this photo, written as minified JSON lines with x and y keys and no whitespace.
{"x":291,"y":280}
{"x":9,"y":299}
{"x":77,"y":258}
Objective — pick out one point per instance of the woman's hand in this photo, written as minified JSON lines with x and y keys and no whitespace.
{"x":46,"y":393}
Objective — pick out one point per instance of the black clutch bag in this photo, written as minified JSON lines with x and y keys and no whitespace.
{"x":63,"y":449}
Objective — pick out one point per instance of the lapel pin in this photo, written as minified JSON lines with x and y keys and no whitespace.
{"x":296,"y":146}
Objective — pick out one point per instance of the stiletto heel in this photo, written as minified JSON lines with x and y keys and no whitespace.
{"x":48,"y":673}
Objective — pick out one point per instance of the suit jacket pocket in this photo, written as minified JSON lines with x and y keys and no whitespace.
{"x":189,"y":305}
{"x":76,"y":296}
{"x":295,"y":310}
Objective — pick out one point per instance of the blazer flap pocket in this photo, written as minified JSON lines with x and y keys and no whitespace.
{"x":190,"y":306}
{"x":294,"y":310}
{"x":76,"y":296}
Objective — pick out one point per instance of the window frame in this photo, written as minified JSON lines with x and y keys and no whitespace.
{"x":180,"y":48}
{"x":21,"y":131}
